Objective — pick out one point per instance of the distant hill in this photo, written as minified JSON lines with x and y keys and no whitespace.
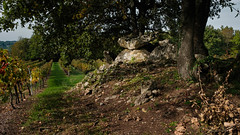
{"x":6,"y":44}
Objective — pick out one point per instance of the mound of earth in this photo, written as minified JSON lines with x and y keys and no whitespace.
{"x":137,"y":99}
{"x":140,"y":98}
{"x":146,"y":98}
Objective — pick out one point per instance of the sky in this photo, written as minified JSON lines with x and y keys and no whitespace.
{"x":227,"y":18}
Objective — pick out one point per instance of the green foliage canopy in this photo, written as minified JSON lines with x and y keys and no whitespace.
{"x":222,"y":42}
{"x":214,"y":41}
{"x":62,"y":25}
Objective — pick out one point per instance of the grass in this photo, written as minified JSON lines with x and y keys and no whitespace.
{"x":51,"y":101}
{"x":132,"y":83}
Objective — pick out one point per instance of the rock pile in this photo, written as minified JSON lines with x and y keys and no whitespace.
{"x":133,"y":53}
{"x":132,"y":60}
{"x":165,"y":53}
{"x":107,"y":72}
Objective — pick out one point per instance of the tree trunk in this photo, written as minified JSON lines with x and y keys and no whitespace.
{"x":186,"y":52}
{"x":194,"y":14}
{"x":134,"y":18}
{"x":142,"y":6}
{"x":201,"y":16}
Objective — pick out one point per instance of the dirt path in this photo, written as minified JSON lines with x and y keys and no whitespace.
{"x":11,"y":120}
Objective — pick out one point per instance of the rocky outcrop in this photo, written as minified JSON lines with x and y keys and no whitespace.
{"x":94,"y":82}
{"x":164,"y":53}
{"x":134,"y":43}
{"x":129,"y":43}
{"x":132,"y":52}
{"x":130,"y":61}
{"x":132,"y":56}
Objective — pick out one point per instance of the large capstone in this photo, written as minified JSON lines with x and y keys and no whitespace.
{"x":130,"y":43}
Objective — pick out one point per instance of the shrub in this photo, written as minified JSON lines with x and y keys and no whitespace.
{"x":98,"y":63}
{"x":82,"y":65}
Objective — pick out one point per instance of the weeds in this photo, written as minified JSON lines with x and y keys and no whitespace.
{"x":171,"y":127}
{"x":132,"y":104}
{"x":134,"y":83}
{"x":127,"y":111}
{"x":218,"y":113}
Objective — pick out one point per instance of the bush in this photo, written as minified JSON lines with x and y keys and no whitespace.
{"x":86,"y":66}
{"x":98,"y":63}
{"x":82,"y":65}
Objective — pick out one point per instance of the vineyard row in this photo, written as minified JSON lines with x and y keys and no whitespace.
{"x":15,"y":77}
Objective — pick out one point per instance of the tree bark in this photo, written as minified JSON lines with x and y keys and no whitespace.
{"x":134,"y":18}
{"x":143,"y":7}
{"x":201,"y":16}
{"x":194,"y":14}
{"x":186,"y":52}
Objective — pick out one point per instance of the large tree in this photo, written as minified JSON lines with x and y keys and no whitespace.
{"x":194,"y":18}
{"x":20,"y":49}
{"x":59,"y":20}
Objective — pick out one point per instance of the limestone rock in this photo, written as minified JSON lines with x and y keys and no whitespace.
{"x":132,"y":56}
{"x":148,"y":86}
{"x":148,"y":92}
{"x":180,"y":129}
{"x":104,"y":67}
{"x":85,"y":84}
{"x":164,"y":52}
{"x":141,"y":99}
{"x":109,"y":98}
{"x":163,"y":42}
{"x":130,"y":43}
{"x":146,"y":38}
{"x":88,"y":91}
{"x":138,"y":119}
{"x":107,"y":57}
{"x":229,"y":124}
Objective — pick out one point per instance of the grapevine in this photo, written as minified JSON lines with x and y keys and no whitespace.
{"x":15,"y":76}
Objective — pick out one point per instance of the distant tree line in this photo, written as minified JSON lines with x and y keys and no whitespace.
{"x":6,"y":44}
{"x":223,"y":42}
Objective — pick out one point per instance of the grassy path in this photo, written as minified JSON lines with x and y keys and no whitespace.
{"x":51,"y":101}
